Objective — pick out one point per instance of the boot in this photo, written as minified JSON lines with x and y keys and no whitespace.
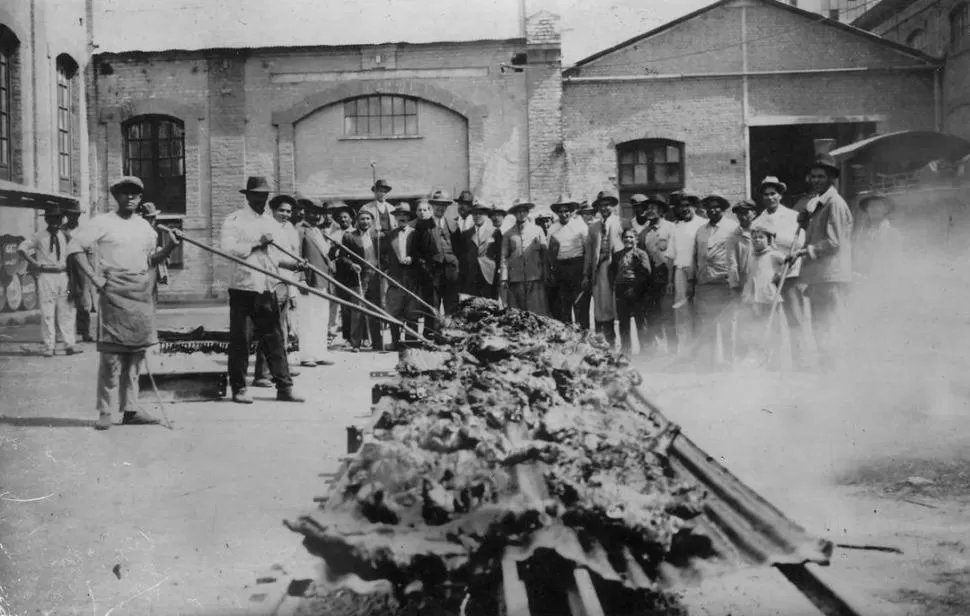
{"x":103,"y":422}
{"x":242,"y":397}
{"x":139,"y":418}
{"x":286,"y":395}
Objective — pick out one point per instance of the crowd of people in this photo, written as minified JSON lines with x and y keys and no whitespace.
{"x":693,"y":281}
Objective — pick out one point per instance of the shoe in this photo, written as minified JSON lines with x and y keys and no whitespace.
{"x":286,"y":395}
{"x":73,"y":351}
{"x":103,"y":422}
{"x":262,"y":382}
{"x":48,"y":353}
{"x":307,"y":364}
{"x":355,"y":350}
{"x":324,"y":362}
{"x":139,"y":418}
{"x":242,"y":397}
{"x":87,"y":339}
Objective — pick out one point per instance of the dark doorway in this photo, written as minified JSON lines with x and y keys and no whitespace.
{"x":785,"y":151}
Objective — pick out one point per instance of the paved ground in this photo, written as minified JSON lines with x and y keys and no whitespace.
{"x":151,"y":521}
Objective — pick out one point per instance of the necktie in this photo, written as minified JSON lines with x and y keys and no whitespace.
{"x":55,"y":247}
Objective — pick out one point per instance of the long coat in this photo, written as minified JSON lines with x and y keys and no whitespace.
{"x":317,"y":250}
{"x":481,"y":250}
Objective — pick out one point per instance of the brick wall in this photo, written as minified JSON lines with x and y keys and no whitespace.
{"x":705,"y":115}
{"x":547,"y":169}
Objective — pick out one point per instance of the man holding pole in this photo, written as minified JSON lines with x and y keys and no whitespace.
{"x":313,"y":312}
{"x":253,"y":309}
{"x":125,"y":245}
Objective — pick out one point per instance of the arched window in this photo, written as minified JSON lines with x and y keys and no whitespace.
{"x":650,"y":165}
{"x":381,"y":116}
{"x":9,"y":44}
{"x":917,"y":39}
{"x":67,"y":92}
{"x":154,"y":150}
{"x":959,"y":26}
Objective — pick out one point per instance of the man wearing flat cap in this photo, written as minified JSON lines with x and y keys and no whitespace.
{"x":712,"y":295}
{"x":254,"y":309}
{"x":124,"y":244}
{"x":826,"y":259}
{"x":567,"y":256}
{"x":522,"y":269}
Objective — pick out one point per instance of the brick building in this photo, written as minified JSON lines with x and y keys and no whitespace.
{"x":940,"y":28}
{"x":716,"y":100}
{"x":43,"y":131}
{"x":438,"y":112}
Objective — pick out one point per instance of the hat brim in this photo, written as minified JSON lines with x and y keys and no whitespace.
{"x":835,"y":171}
{"x":383,"y":187}
{"x":738,"y":208}
{"x":117,"y":186}
{"x":564,"y":205}
{"x":264,"y":191}
{"x":721,"y":204}
{"x":606,"y":201}
{"x":440,"y":201}
{"x":408,"y":213}
{"x":657,"y":202}
{"x":522,"y":206}
{"x":779,"y":186}
{"x":864,"y":202}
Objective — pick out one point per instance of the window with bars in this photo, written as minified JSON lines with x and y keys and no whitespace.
{"x":381,"y":116}
{"x":959,"y":26}
{"x":651,"y":164}
{"x":154,"y":150}
{"x":6,"y":111}
{"x":66,"y":73}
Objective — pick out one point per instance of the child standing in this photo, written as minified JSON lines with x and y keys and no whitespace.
{"x":761,"y":279}
{"x":631,"y":277}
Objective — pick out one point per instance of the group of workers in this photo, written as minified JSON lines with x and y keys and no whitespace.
{"x":681,"y":270}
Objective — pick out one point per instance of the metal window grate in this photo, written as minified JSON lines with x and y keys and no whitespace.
{"x":64,"y":126}
{"x":154,"y":151}
{"x":656,"y":164}
{"x":381,"y":116}
{"x":6,"y":105}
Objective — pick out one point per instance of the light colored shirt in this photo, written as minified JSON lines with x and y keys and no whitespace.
{"x":466,"y":223}
{"x":369,"y":252}
{"x":656,"y":240}
{"x":289,"y":238}
{"x":739,"y":251}
{"x":523,"y":253}
{"x":788,"y":237}
{"x":39,"y":247}
{"x":400,"y":242}
{"x":571,"y":238}
{"x":711,"y":252}
{"x":240,"y":234}
{"x":120,"y":244}
{"x":761,"y":270}
{"x":680,"y":252}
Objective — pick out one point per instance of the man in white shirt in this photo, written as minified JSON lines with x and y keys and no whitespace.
{"x":253,"y":308}
{"x":125,"y":248}
{"x":681,"y":274}
{"x":655,"y":237}
{"x":567,"y":254}
{"x":712,"y":295}
{"x":46,"y":253}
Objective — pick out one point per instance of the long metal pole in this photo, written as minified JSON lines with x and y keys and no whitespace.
{"x":397,"y":284}
{"x":276,"y":276}
{"x":345,"y":289}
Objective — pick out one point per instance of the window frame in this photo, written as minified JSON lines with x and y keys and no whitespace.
{"x":66,"y":76}
{"x":648,"y":147}
{"x":959,"y":23}
{"x":6,"y":113}
{"x":148,"y":150}
{"x":388,"y":111}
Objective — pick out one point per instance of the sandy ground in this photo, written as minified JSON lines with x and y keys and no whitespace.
{"x":151,"y":521}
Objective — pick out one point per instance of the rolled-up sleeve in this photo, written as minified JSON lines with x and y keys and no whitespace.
{"x":231,"y":239}
{"x":84,"y":238}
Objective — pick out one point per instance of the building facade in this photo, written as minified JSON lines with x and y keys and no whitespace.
{"x":43,"y":130}
{"x":324,"y":121}
{"x":940,"y":28}
{"x":741,"y":89}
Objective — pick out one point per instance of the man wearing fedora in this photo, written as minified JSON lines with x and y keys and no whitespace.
{"x":654,"y":237}
{"x":368,"y":243}
{"x":481,"y":253}
{"x":432,"y":255}
{"x":523,"y":262}
{"x":400,"y":267}
{"x":380,"y":208}
{"x":712,"y":295}
{"x":783,"y":222}
{"x":567,"y":255}
{"x":342,"y":216}
{"x":826,"y":258}
{"x":446,"y":221}
{"x":46,"y":254}
{"x":605,"y":239}
{"x":125,"y":247}
{"x":254,"y":309}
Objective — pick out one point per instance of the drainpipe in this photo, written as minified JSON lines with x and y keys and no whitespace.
{"x":745,"y":103}
{"x":33,"y":89}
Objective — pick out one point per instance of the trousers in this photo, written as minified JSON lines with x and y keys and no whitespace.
{"x":827,"y":301}
{"x":114,"y":370}
{"x":570,"y":295}
{"x":256,"y":314}
{"x":56,"y":311}
{"x":261,"y":370}
{"x":312,"y":315}
{"x":630,"y":304}
{"x":361,"y":325}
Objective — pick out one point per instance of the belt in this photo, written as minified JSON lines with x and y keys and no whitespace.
{"x":571,"y":259}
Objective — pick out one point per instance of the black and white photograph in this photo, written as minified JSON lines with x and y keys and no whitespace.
{"x":492,"y":308}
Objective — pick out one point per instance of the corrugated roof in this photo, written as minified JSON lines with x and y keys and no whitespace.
{"x":160,"y":25}
{"x":905,"y":49}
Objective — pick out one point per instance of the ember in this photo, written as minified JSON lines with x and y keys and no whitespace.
{"x":519,"y":433}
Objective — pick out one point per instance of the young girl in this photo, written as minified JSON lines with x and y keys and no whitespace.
{"x":763,"y":273}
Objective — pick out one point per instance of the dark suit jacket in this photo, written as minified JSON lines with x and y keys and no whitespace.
{"x":433,"y":254}
{"x":395,"y":269}
{"x":352,"y":240}
{"x":480,"y":252}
